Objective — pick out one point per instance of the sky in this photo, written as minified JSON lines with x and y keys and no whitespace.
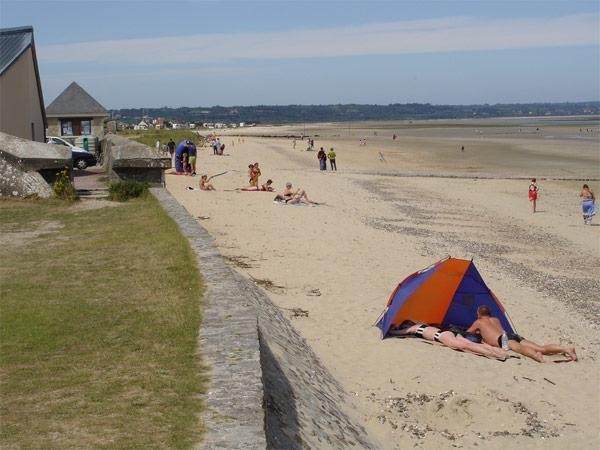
{"x":154,"y":53}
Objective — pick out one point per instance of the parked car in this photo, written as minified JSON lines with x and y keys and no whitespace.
{"x":82,"y":159}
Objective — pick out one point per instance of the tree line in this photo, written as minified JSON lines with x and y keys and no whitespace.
{"x":277,"y":114}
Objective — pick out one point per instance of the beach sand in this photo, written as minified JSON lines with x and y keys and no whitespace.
{"x":380,"y":221}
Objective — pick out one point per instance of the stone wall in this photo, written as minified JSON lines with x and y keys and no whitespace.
{"x":28,"y":167}
{"x":267,"y":388}
{"x":129,"y":160}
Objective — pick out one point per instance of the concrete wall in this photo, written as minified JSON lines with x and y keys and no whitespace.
{"x":20,"y":106}
{"x":28,"y":167}
{"x":266,"y":387}
{"x":129,"y":160}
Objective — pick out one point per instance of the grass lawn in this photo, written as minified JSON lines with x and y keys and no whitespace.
{"x":99,"y":317}
{"x":149,"y":137}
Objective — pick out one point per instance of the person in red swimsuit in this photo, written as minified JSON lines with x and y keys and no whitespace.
{"x":533,"y":193}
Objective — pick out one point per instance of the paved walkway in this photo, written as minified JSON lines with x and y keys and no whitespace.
{"x":89,"y":182}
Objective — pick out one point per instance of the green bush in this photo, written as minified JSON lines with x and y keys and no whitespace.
{"x":63,"y":187}
{"x":124,"y":190}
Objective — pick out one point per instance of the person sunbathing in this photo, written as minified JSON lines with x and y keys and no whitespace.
{"x":261,"y":187}
{"x":205,"y":184}
{"x":447,"y":338}
{"x":491,"y":332}
{"x":291,"y":196}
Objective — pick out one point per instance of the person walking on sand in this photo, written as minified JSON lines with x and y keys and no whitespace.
{"x":588,"y":204}
{"x":533,"y":193}
{"x":492,"y":333}
{"x":322,"y":157}
{"x":331,"y":156}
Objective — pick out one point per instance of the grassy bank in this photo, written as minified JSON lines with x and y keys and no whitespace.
{"x":99,"y":321}
{"x":149,"y":137}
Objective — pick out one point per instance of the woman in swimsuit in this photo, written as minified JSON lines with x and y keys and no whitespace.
{"x":588,"y":204}
{"x":533,"y":193}
{"x":261,"y":187}
{"x":449,"y":339}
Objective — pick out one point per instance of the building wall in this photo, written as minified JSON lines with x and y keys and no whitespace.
{"x":97,"y":126}
{"x":20,"y":106}
{"x":53,"y":126}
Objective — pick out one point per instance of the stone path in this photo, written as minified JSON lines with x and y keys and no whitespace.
{"x":89,"y":183}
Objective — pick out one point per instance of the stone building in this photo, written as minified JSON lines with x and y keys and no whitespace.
{"x":76,"y":116}
{"x":21,"y":101}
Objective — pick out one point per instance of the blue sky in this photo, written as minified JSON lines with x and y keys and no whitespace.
{"x":147,"y":53}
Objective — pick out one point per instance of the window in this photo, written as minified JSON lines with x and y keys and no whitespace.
{"x":66,"y":128}
{"x":86,"y":127}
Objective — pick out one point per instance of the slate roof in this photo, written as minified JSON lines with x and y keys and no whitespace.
{"x":75,"y":100}
{"x":13,"y":43}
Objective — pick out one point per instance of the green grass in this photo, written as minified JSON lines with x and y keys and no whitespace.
{"x":149,"y":137}
{"x":99,"y":317}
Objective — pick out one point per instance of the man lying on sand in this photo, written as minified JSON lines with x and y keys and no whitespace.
{"x":448,"y":338}
{"x":291,"y":196}
{"x":491,"y":333}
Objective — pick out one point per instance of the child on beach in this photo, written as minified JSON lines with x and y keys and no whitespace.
{"x":254,"y":174}
{"x":205,"y":184}
{"x":184,"y":163}
{"x":533,"y":193}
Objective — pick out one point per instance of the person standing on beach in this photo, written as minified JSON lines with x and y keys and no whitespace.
{"x":533,"y":193}
{"x":322,"y":157}
{"x":171,"y":147}
{"x":192,"y":156}
{"x":255,"y":173}
{"x":588,"y":204}
{"x":331,"y":156}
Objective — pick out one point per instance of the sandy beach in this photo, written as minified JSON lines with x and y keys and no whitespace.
{"x":382,"y":218}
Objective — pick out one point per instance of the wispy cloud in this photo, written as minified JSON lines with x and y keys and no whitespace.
{"x":419,"y":36}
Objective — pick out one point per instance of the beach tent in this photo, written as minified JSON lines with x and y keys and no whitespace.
{"x":446,"y":293}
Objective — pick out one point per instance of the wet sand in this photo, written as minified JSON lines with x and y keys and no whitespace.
{"x":381,"y":221}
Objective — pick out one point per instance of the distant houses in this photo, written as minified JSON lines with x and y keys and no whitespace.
{"x":141,"y":126}
{"x":77,"y":116}
{"x":22,"y":107}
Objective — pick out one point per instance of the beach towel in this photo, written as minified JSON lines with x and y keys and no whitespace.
{"x":589,"y":208}
{"x":280,"y":202}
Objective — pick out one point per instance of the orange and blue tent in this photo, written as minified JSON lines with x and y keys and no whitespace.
{"x":446,"y":293}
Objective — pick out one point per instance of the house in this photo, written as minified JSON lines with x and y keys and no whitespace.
{"x":76,"y":115}
{"x":141,"y":126}
{"x":22,"y":106}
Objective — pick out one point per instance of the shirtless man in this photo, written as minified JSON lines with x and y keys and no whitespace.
{"x":291,"y":196}
{"x":491,"y":332}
